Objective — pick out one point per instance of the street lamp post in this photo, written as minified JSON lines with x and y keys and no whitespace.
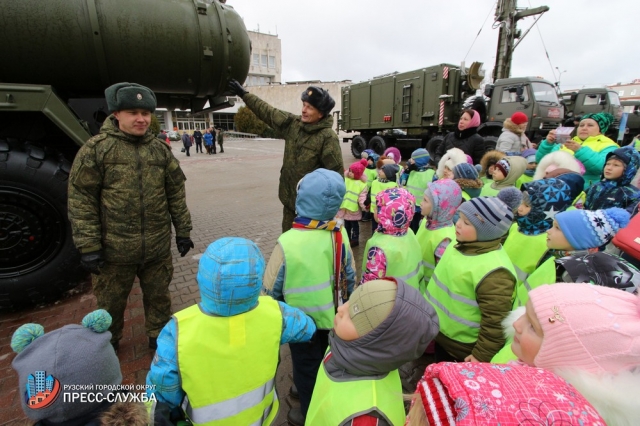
{"x":559,"y":75}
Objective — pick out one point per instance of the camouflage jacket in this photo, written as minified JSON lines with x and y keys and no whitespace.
{"x":307,"y":147}
{"x":124,"y":192}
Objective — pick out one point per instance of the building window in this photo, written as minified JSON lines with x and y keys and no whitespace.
{"x":256,"y":59}
{"x":621,"y":93}
{"x":633,"y":92}
{"x":264,"y":60}
{"x":272,"y":61}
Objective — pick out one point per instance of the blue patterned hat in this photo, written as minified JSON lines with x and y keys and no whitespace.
{"x":548,"y":197}
{"x":585,"y":229}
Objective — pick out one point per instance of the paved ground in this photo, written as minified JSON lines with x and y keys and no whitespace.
{"x":230,"y":194}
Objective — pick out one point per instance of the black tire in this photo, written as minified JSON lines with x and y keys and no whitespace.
{"x":433,"y":145}
{"x":377,"y":144}
{"x":358,"y":144}
{"x":490,"y":143}
{"x":38,"y":260}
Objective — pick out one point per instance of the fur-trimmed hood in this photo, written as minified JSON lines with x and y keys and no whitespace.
{"x":126,"y":414}
{"x":489,"y":159}
{"x":450,"y":159}
{"x":472,"y":187}
{"x":517,"y":167}
{"x":560,"y":159}
{"x":510,"y":126}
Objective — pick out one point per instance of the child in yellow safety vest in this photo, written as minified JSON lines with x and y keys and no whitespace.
{"x":371,"y":171}
{"x":505,"y":174}
{"x":385,"y":324}
{"x":526,"y":243}
{"x":439,"y":204}
{"x":573,"y":256}
{"x":353,"y":202}
{"x":223,"y":352}
{"x":393,"y":249}
{"x":472,"y":286}
{"x":415,"y":178}
{"x":387,"y":178}
{"x":488,"y":163}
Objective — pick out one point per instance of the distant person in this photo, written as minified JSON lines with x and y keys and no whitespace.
{"x":214,"y":133}
{"x":186,"y":143}
{"x":465,"y":137}
{"x":163,"y":136}
{"x":220,"y":137}
{"x":513,"y":140}
{"x":197,"y":138}
{"x":126,"y":189}
{"x":208,"y":141}
{"x":310,"y":141}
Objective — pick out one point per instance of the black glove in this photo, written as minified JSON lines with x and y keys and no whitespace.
{"x":92,"y":261}
{"x":236,"y":88}
{"x":184,"y":245}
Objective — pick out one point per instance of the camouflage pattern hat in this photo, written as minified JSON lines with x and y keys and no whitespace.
{"x":319,"y":98}
{"x":122,"y":96}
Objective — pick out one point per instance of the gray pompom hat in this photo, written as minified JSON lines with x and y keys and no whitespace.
{"x":121,"y":96}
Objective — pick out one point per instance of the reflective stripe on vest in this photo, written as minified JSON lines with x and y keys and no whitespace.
{"x":372,"y":174}
{"x":429,"y":240}
{"x":309,"y":273}
{"x":336,"y":402}
{"x":218,"y":350}
{"x":525,"y":251}
{"x":376,"y":187}
{"x":544,"y":274}
{"x":403,"y":255}
{"x":417,"y":183}
{"x":350,"y":200}
{"x":488,"y":191}
{"x":452,"y":290}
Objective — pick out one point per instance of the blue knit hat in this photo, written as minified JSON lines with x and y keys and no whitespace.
{"x":421,"y":157}
{"x":230,"y":276}
{"x":548,"y":197}
{"x":465,"y":171}
{"x":585,"y":229}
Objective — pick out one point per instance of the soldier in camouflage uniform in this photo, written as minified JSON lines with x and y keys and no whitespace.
{"x":125,"y":190}
{"x":310,"y":142}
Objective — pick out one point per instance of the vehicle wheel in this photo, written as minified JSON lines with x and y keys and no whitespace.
{"x":358,"y":144}
{"x":377,"y":144}
{"x":490,"y":143}
{"x":38,"y":259}
{"x":433,"y":145}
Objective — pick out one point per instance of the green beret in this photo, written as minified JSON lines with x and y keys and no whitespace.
{"x":129,"y":96}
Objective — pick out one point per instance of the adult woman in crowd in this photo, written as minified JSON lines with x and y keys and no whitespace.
{"x":590,"y":145}
{"x":464,"y":137}
{"x":513,"y":141}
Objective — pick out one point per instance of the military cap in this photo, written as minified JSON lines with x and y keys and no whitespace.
{"x":319,"y":98}
{"x":129,"y":96}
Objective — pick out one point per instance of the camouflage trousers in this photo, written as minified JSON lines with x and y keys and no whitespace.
{"x":113,"y":285}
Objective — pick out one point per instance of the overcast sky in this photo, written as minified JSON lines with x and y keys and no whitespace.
{"x":595,"y":41}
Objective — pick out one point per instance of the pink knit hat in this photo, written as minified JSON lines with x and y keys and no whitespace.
{"x":358,"y":168}
{"x":587,"y":327}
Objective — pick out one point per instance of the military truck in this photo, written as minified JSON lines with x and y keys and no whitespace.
{"x":632,"y":108}
{"x":60,"y":55}
{"x":426,"y":103}
{"x":416,"y":108}
{"x":593,"y":100}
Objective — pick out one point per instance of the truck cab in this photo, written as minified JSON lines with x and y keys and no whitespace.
{"x":533,"y":96}
{"x":632,"y":108}
{"x":591,"y":101}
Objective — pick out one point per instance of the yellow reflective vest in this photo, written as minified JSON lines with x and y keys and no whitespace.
{"x":452,"y":290}
{"x":429,"y":241}
{"x":372,"y":174}
{"x":417,"y":183}
{"x":376,"y":187}
{"x":227,"y":365}
{"x":525,"y":252}
{"x":335,"y":402}
{"x":309,"y":272}
{"x":354,"y":188}
{"x":403,"y":254}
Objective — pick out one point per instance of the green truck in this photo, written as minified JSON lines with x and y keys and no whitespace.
{"x":593,"y":100}
{"x":632,"y":108}
{"x":60,"y":55}
{"x":427,"y":103}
